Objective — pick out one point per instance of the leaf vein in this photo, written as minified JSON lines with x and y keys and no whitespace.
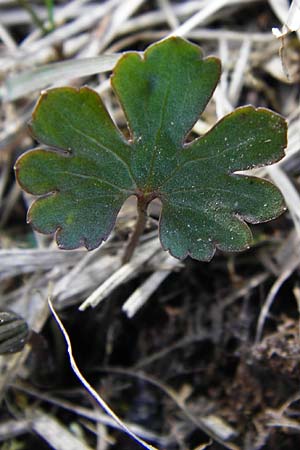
{"x":205,"y":158}
{"x":91,"y":177}
{"x":204,"y":189}
{"x":98,"y":144}
{"x":155,"y":151}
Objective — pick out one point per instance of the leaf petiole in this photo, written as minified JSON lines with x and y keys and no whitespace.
{"x":141,"y":221}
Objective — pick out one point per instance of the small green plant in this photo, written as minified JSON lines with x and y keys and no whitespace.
{"x":89,"y":168}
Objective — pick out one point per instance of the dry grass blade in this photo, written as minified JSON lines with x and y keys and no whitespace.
{"x":290,"y":193}
{"x":289,"y":16}
{"x":124,"y":273}
{"x":279,"y":417}
{"x":55,"y":433}
{"x":12,"y":428}
{"x":20,"y":85}
{"x":90,"y":389}
{"x":170,"y":14}
{"x":7,"y":38}
{"x":203,"y":446}
{"x":236,"y":85}
{"x":286,"y":273}
{"x":121,"y":14}
{"x":206,"y":12}
{"x":70,"y":289}
{"x":140,"y":296}
{"x":37,"y":258}
{"x":83,"y":22}
{"x":200,"y":17}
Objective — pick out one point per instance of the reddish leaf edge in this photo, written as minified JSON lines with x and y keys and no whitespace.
{"x":43,"y":96}
{"x":215,"y":244}
{"x":249,"y":108}
{"x":56,"y":233}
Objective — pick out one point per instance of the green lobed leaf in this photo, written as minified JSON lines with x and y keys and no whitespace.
{"x":89,"y":169}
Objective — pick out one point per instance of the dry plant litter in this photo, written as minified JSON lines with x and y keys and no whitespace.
{"x":216,"y":350}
